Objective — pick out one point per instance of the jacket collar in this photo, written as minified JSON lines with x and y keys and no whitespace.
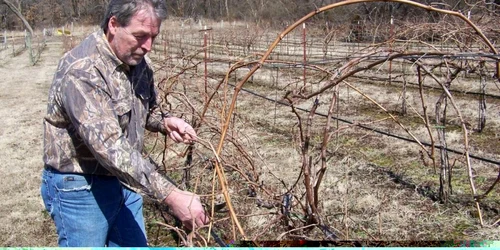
{"x":107,"y":55}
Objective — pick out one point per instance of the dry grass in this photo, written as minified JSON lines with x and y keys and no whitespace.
{"x":23,"y":95}
{"x":375,"y":187}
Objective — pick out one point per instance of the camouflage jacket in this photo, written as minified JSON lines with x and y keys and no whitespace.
{"x":98,"y":110}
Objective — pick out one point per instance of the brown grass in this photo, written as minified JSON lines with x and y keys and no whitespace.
{"x":375,"y":187}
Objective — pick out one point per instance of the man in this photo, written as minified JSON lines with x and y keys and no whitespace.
{"x":101,"y":101}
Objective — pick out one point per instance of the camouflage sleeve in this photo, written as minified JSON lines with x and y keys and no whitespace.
{"x":90,"y":110}
{"x":154,"y":122}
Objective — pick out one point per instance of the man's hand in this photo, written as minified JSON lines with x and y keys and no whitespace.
{"x":187,"y":207}
{"x":179,"y":130}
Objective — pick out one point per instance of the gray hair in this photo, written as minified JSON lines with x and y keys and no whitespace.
{"x":123,"y":10}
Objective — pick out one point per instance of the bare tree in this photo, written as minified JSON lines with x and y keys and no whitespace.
{"x":18,"y":13}
{"x":76,"y":10}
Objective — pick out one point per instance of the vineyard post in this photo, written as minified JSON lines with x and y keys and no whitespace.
{"x":13,"y":44}
{"x":5,"y":39}
{"x":227,"y":114}
{"x":276,"y":86}
{"x":403,"y":95}
{"x":164,"y":41}
{"x":286,"y":48}
{"x":165,"y":52}
{"x":304,"y":42}
{"x":205,"y":59}
{"x":482,"y":98}
{"x":337,"y":112}
{"x":391,"y":34}
{"x":181,"y":39}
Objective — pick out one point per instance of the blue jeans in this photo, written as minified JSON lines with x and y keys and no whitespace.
{"x":93,"y":210}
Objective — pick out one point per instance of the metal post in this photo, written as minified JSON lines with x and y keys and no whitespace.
{"x":165,"y":53}
{"x":304,"y":42}
{"x":205,"y":62}
{"x":165,"y":45}
{"x":276,"y":82}
{"x":390,"y":46}
{"x":13,"y":44}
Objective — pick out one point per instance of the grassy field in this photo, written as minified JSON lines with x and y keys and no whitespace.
{"x":375,"y":186}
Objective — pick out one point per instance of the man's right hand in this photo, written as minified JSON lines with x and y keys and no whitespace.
{"x":186,"y":206}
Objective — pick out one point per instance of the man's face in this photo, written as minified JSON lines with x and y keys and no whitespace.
{"x":130,"y":43}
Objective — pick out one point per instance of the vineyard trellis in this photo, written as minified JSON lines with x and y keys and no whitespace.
{"x":215,"y":114}
{"x":290,"y":120}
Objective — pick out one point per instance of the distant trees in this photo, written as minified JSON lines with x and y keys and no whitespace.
{"x":274,"y":12}
{"x":17,"y":11}
{"x":43,"y":13}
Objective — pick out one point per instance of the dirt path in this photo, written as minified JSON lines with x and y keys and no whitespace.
{"x":23,"y":98}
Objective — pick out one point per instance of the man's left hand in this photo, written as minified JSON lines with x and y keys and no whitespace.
{"x":179,"y":130}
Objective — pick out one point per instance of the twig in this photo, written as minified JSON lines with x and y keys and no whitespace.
{"x":491,"y":187}
{"x":466,"y":140}
{"x":295,"y":229}
{"x":426,"y":118}
{"x":388,"y":113}
{"x":266,"y":228}
{"x":324,"y":144}
{"x":181,"y":233}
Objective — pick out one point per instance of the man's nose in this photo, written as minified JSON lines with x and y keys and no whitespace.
{"x":147,"y":44}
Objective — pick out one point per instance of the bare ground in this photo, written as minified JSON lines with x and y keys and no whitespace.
{"x":23,"y":98}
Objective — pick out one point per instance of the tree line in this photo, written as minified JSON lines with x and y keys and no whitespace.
{"x":44,"y":13}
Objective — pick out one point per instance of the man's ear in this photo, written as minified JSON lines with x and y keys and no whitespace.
{"x":113,"y":25}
